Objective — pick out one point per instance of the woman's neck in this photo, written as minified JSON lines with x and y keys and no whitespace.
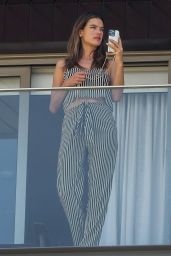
{"x":86,"y":59}
{"x":87,"y":50}
{"x":85,"y":62}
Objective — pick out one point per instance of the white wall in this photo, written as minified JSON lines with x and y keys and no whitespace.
{"x":42,"y":78}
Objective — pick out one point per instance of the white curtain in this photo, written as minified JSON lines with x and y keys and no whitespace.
{"x":137,"y":208}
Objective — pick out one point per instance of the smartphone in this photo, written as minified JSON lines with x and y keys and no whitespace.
{"x":114,"y":35}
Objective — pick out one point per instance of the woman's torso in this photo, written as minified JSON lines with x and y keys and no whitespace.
{"x":95,"y":77}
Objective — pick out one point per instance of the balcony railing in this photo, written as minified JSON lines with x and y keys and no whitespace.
{"x":139,"y":208}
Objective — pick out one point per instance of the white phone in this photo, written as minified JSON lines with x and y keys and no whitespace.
{"x":114,"y":35}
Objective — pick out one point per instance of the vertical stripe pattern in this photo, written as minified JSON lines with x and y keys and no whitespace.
{"x":89,"y":128}
{"x":95,"y":77}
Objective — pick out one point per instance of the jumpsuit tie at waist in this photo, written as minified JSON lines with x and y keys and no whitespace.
{"x":84,"y":113}
{"x":79,"y":129}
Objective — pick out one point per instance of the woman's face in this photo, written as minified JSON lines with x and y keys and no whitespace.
{"x":92,"y":33}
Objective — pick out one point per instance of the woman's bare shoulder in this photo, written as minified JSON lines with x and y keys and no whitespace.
{"x":60,"y":63}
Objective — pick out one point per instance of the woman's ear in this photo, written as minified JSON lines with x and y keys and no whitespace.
{"x":80,"y":33}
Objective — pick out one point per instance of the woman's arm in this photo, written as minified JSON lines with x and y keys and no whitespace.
{"x":57,"y":96}
{"x":116,"y":69}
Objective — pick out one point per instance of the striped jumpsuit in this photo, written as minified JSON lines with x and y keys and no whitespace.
{"x":88,"y":128}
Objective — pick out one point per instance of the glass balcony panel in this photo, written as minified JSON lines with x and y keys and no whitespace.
{"x":139,"y":207}
{"x":9,"y":113}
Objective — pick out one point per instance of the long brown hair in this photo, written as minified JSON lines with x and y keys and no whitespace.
{"x":74,"y":46}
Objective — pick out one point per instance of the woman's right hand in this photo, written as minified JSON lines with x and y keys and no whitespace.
{"x":76,"y":78}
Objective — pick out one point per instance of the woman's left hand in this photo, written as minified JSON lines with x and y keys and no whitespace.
{"x":117,"y":47}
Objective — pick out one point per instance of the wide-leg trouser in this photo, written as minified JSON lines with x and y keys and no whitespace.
{"x":87,"y":128}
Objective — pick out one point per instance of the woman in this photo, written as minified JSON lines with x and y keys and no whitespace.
{"x":88,"y":127}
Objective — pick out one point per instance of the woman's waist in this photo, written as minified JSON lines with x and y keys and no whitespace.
{"x":86,"y":100}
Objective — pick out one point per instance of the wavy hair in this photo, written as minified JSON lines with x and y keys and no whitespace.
{"x":74,"y":47}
